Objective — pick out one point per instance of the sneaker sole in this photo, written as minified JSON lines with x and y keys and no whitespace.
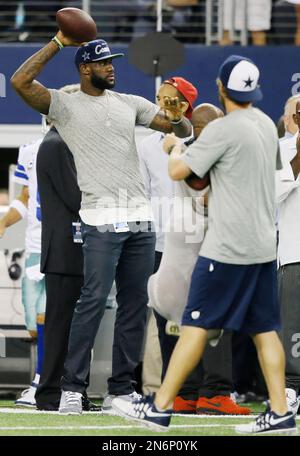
{"x":61,"y":412}
{"x":148,"y":424}
{"x":110,"y":411}
{"x":290,"y":431}
{"x":25,"y":404}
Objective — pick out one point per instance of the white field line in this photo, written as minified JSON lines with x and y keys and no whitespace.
{"x":30,"y":411}
{"x":7,"y":410}
{"x":19,"y":411}
{"x":65,"y":428}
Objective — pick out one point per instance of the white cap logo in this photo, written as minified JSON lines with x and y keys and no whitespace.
{"x":244,"y":77}
{"x":99,"y":49}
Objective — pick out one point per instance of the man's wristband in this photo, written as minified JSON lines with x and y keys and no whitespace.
{"x":175,"y":122}
{"x":57,"y":42}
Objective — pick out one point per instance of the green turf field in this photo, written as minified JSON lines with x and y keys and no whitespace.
{"x":27,"y":422}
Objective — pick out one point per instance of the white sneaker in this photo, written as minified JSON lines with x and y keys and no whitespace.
{"x":144,"y":411}
{"x":27,"y":398}
{"x":107,"y":402}
{"x":70,"y":403}
{"x":292,"y":400}
{"x":269,"y":422}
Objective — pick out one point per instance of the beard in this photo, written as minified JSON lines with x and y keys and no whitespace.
{"x":101,"y":83}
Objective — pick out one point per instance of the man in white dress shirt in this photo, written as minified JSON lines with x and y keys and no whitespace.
{"x":160,"y":190}
{"x":288,"y":199}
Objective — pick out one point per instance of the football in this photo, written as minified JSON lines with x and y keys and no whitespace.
{"x":196,"y":183}
{"x":76,"y":24}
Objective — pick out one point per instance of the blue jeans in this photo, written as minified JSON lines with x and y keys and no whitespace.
{"x":127,"y":258}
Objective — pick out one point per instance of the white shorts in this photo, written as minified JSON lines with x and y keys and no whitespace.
{"x":258,"y":14}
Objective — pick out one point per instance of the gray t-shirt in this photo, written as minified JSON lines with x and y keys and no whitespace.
{"x":240,"y":151}
{"x":99,"y":131}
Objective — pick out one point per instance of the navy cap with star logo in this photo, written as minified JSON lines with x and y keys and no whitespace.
{"x":94,"y":51}
{"x":239,"y":75}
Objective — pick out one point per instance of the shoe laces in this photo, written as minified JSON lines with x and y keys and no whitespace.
{"x":263,"y":420}
{"x":135,"y":396}
{"x":73,"y":397}
{"x":142,"y":404}
{"x":292,"y":401}
{"x":223,"y":400}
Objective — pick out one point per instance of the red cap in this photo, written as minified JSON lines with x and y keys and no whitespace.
{"x":186,"y":89}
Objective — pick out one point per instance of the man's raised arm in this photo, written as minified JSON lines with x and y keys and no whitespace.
{"x":23,"y":80}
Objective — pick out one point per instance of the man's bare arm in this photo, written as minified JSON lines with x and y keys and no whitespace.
{"x":178,"y":170}
{"x":171,"y":118}
{"x":23,"y":80}
{"x":161,"y":122}
{"x":13,"y":215}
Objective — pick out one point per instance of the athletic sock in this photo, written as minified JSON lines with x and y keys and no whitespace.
{"x":36,"y":379}
{"x":160,"y":409}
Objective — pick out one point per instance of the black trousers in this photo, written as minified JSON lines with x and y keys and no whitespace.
{"x":213,"y":375}
{"x":128,"y":258}
{"x":62,"y":293}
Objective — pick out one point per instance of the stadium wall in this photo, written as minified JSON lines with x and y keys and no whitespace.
{"x":280,"y":75}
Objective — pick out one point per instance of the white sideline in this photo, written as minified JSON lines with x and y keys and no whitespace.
{"x":42,"y":412}
{"x":21,"y":411}
{"x":30,"y":411}
{"x":65,"y":428}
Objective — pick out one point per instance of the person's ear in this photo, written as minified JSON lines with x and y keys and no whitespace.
{"x":85,"y":69}
{"x":295,"y":119}
{"x":221,"y":88}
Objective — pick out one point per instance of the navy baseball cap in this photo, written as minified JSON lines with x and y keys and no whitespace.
{"x":239,"y":75}
{"x":94,"y":51}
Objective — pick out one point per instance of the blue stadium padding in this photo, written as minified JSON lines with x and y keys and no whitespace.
{"x":278,"y":64}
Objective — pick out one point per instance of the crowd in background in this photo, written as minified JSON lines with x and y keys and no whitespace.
{"x":20,"y":17}
{"x":268,"y":21}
